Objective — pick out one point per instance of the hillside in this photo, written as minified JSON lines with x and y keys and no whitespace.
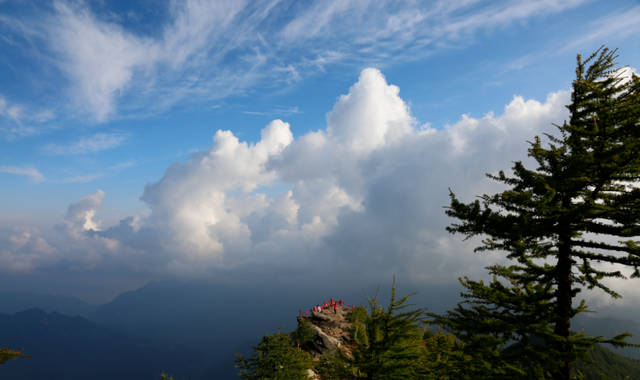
{"x":73,"y":348}
{"x":613,"y":365}
{"x":609,"y":327}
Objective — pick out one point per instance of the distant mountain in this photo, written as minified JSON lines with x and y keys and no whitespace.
{"x":13,"y":302}
{"x":609,"y":363}
{"x":73,"y":348}
{"x":608,"y":328}
{"x":212,"y":318}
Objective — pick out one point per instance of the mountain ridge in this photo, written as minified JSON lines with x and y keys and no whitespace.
{"x":74,"y":348}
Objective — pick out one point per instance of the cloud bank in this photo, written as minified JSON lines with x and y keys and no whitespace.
{"x":363,"y":196}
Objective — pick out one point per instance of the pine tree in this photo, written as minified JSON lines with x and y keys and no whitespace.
{"x":275,"y":358}
{"x":443,"y":357}
{"x":391,"y":348}
{"x":583,"y":185}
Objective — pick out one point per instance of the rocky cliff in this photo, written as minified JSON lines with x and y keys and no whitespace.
{"x":332,"y":332}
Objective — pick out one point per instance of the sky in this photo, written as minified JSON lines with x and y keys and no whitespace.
{"x":251,"y":141}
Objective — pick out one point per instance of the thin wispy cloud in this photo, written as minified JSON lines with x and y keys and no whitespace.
{"x":284,"y":111}
{"x":84,"y":178}
{"x":619,"y":24}
{"x":211,"y":50}
{"x":29,"y":171}
{"x":95,"y":143}
{"x":18,"y":120}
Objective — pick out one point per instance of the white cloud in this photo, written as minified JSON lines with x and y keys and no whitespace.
{"x":80,"y":215}
{"x":100,"y":57}
{"x":362,"y":197}
{"x":191,"y":203}
{"x":95,"y":143}
{"x":29,"y":171}
{"x":23,"y":250}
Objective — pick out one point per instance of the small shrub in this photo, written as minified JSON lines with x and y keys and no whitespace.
{"x":304,"y":331}
{"x":359,"y":314}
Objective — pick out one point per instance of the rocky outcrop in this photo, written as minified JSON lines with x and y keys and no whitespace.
{"x":320,"y":316}
{"x":332,"y":332}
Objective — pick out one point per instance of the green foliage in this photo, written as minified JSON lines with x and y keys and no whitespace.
{"x":579,"y":187}
{"x":274,"y":358}
{"x":164,"y":376}
{"x":391,"y":349}
{"x":428,"y":334}
{"x":358,"y":330}
{"x":443,"y":356}
{"x":7,"y":355}
{"x":610,"y":365}
{"x":304,"y":332}
{"x":357,"y":314}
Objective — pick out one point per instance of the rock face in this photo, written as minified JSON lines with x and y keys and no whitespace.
{"x":332,"y":332}
{"x":320,"y":316}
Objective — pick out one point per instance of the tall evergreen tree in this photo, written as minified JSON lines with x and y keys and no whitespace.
{"x":583,"y":185}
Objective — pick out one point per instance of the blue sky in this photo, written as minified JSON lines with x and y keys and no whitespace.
{"x":108,"y":112}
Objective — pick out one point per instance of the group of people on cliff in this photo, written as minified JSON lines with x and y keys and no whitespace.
{"x":318,"y":308}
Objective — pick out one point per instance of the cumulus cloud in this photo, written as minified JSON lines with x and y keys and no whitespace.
{"x":363,"y":197}
{"x":29,"y":171}
{"x":79,"y":217}
{"x":22,"y":249}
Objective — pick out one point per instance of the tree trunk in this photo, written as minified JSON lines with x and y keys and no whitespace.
{"x":564,"y":298}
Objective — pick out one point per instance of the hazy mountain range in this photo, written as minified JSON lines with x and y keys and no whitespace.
{"x":204,"y":324}
{"x":70,"y":348}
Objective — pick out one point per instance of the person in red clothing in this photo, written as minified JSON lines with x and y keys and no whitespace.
{"x":325,"y":304}
{"x":335,"y":308}
{"x":340,"y":303}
